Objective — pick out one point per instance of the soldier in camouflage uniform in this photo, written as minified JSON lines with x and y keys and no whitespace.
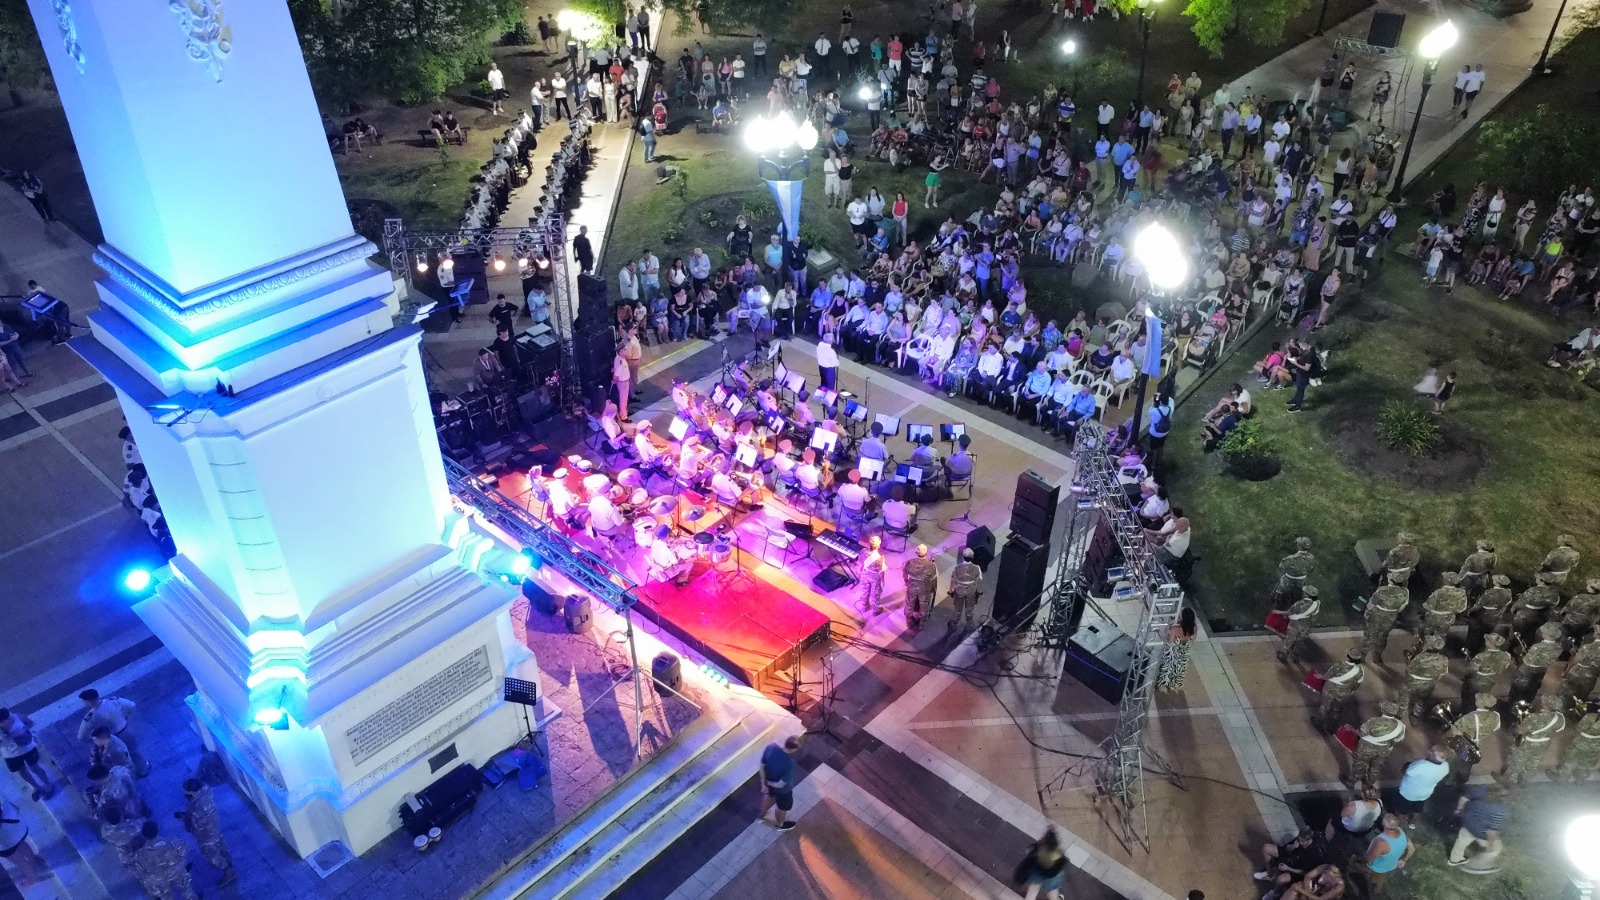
{"x":1489,"y":612}
{"x":1443,"y":606}
{"x":1582,"y":611}
{"x":114,"y":786}
{"x":1293,"y":571}
{"x":922,"y":586}
{"x":1383,"y":610}
{"x":1577,"y":682}
{"x":200,"y":817}
{"x":966,"y":583}
{"x":160,"y":867}
{"x":1298,"y":632}
{"x":1533,"y":739}
{"x":1423,"y":674}
{"x":124,"y":835}
{"x":1560,"y":561}
{"x":1476,"y":569}
{"x":1485,"y":668}
{"x":1342,"y":679}
{"x":1379,"y":735}
{"x":1478,"y":727}
{"x":1529,"y":676}
{"x":1582,"y":756}
{"x":1402,"y":558}
{"x":1533,"y":606}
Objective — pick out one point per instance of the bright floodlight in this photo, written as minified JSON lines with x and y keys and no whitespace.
{"x":806,"y":135}
{"x":779,"y":132}
{"x":756,"y":136}
{"x":521,"y":563}
{"x":1441,"y":38}
{"x":1163,"y":261}
{"x":865,"y":93}
{"x":580,"y":25}
{"x":1583,"y":845}
{"x":1069,"y":47}
{"x":137,"y":580}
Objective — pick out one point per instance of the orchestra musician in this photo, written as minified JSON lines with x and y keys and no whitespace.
{"x":670,"y":559}
{"x":645,"y":449}
{"x":616,"y":437}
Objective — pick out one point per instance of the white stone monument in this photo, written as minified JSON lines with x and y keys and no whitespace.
{"x":324,"y":597}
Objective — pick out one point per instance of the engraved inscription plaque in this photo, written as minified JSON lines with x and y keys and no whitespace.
{"x":371,"y":735}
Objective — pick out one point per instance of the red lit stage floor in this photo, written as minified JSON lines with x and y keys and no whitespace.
{"x":742,"y":624}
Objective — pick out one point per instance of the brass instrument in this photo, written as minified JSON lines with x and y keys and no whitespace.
{"x":1442,"y":714}
{"x":1521,"y":709}
{"x":1465,"y":749}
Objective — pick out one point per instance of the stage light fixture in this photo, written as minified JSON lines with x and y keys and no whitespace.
{"x":521,"y":564}
{"x":499,"y":262}
{"x":422,"y":264}
{"x":137,"y":581}
{"x":447,"y":262}
{"x":275,"y":717}
{"x":522,"y":262}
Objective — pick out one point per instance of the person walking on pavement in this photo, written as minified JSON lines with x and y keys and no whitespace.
{"x":777,"y":781}
{"x":33,"y":189}
{"x":583,"y":250}
{"x":14,"y":846}
{"x":21,"y":753}
{"x":113,"y":713}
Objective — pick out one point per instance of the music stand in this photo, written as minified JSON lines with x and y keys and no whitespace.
{"x":825,"y":398}
{"x":745,"y":455}
{"x":824,"y":440}
{"x":915,"y":433}
{"x":870,"y":469}
{"x":855,"y":412}
{"x":776,"y":423}
{"x":951,"y":432}
{"x":780,"y":372}
{"x":679,"y":429}
{"x":526,"y":694}
{"x":906,"y":473}
{"x":734,"y":404}
{"x":794,"y":382}
{"x":719,"y":394}
{"x":891,"y":424}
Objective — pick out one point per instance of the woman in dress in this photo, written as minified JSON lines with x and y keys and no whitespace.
{"x":1175,"y":657}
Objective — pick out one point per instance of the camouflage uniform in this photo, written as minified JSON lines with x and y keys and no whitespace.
{"x":1477,"y":726}
{"x":966,"y":583}
{"x":1476,"y":569}
{"x":1443,"y":606}
{"x":1383,"y":610}
{"x":1298,"y":631}
{"x":1379,"y":735}
{"x":119,"y":790}
{"x":113,"y":753}
{"x":1582,"y":611}
{"x":873,"y":568}
{"x":1292,"y":573}
{"x":1582,"y":756}
{"x":1343,"y":678}
{"x":1402,"y":558}
{"x":1577,"y":683}
{"x":1488,"y":613}
{"x":205,"y":826}
{"x":160,"y":867}
{"x":1485,"y":668}
{"x":1529,"y":676}
{"x":1560,"y":561}
{"x":1423,"y":674}
{"x":1533,"y":739}
{"x":1533,"y":606}
{"x":124,"y":838}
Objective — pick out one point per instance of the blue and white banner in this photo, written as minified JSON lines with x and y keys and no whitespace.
{"x":787,"y":195}
{"x":1152,"y":344}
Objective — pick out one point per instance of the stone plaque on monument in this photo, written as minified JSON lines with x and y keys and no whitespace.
{"x":415,"y":707}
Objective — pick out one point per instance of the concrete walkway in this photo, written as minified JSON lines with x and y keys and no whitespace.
{"x":1507,"y":48}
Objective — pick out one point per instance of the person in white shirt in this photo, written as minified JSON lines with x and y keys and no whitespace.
{"x":497,"y":88}
{"x":827,"y":363}
{"x":1176,"y":546}
{"x":897,"y":513}
{"x":621,"y":379}
{"x":1463,"y":78}
{"x":664,"y":562}
{"x":852,"y":496}
{"x":1121,"y":370}
{"x":724,"y":487}
{"x":644,"y":448}
{"x":628,"y":282}
{"x":807,"y":475}
{"x":823,"y":46}
{"x":603,"y":515}
{"x":1474,"y":86}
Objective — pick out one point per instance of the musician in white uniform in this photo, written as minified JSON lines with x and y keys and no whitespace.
{"x":665,"y":562}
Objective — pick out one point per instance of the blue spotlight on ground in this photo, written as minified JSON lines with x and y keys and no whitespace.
{"x":137,"y":581}
{"x":273,"y":717}
{"x":522,"y":563}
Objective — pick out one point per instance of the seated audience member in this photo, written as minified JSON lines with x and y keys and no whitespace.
{"x":1290,"y":861}
{"x":1217,"y":429}
{"x":1237,"y":396}
{"x":1174,"y":549}
{"x":1268,"y":364}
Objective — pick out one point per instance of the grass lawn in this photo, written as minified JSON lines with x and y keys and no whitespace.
{"x":1532,"y":429}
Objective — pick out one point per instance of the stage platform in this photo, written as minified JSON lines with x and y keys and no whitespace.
{"x":742,"y":624}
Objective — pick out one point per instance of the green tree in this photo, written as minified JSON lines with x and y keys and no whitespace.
{"x":1535,"y":154}
{"x":410,"y":50}
{"x":22,"y":61}
{"x":723,"y":15}
{"x":1258,"y":21}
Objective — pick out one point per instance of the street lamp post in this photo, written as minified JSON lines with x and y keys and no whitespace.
{"x":1322,"y":15}
{"x":1542,"y":67}
{"x":773,"y":138}
{"x":1433,"y":45}
{"x":1582,"y":842}
{"x":1069,"y":49}
{"x":1164,"y":263}
{"x":1147,"y":15}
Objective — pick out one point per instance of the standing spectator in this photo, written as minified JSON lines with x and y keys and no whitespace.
{"x":21,"y":753}
{"x":758,"y":55}
{"x":160,"y":866}
{"x":1447,"y":389}
{"x":113,"y":712}
{"x":200,"y":819}
{"x":1043,"y":868}
{"x":1474,"y":86}
{"x":1387,"y":853}
{"x":583,"y":251}
{"x":14,"y":846}
{"x":823,"y":48}
{"x":558,"y":94}
{"x":1175,"y":656}
{"x":1482,"y":811}
{"x":642,"y":19}
{"x":777,"y":781}
{"x":930,"y":199}
{"x":33,"y":189}
{"x":794,"y":259}
{"x":647,"y":135}
{"x":1418,"y":782}
{"x":547,"y":33}
{"x":621,"y":380}
{"x":497,"y":88}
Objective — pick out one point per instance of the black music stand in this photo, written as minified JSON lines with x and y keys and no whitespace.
{"x":526,"y":694}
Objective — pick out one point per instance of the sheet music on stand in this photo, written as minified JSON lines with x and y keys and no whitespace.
{"x":734,"y":405}
{"x":825,"y":397}
{"x":952,"y":432}
{"x":855,"y":411}
{"x":719,"y":394}
{"x":780,"y":372}
{"x":745,"y":455}
{"x":794,"y":382}
{"x":824,"y":440}
{"x":678,"y":429}
{"x":891,"y":424}
{"x":870,"y":469}
{"x":906,"y":473}
{"x":915,"y":433}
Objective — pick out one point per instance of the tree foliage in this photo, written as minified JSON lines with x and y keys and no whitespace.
{"x":409,"y":50}
{"x":723,"y":15}
{"x":1535,"y":154}
{"x":22,"y":61}
{"x":1258,"y":21}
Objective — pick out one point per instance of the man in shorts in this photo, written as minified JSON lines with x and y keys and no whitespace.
{"x":1418,"y":782}
{"x":15,"y":848}
{"x":777,"y":781}
{"x":22,"y":753}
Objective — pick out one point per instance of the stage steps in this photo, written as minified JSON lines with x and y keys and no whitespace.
{"x":654,"y":805}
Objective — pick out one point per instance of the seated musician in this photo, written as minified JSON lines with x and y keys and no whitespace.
{"x":723,"y":486}
{"x":783,"y":462}
{"x":925,"y":455}
{"x":872,"y":446}
{"x":691,"y":459}
{"x":664,"y":561}
{"x":897,"y":513}
{"x":802,"y":416}
{"x":683,"y":398}
{"x":807,"y":475}
{"x":603,"y":515}
{"x":616,"y":438}
{"x":853,"y":498}
{"x":766,"y":400}
{"x":645,"y":449}
{"x":959,"y":466}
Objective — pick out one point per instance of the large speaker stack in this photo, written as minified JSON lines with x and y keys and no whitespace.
{"x":1033,"y":508}
{"x":1101,"y":657}
{"x":1021,"y":581}
{"x":594,"y":303}
{"x":593,"y":341}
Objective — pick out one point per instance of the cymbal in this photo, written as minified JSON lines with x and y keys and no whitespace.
{"x":662,"y":506}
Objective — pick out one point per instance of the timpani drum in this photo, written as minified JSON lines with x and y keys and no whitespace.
{"x":721,"y":550}
{"x":702,"y":544}
{"x":644,"y":533}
